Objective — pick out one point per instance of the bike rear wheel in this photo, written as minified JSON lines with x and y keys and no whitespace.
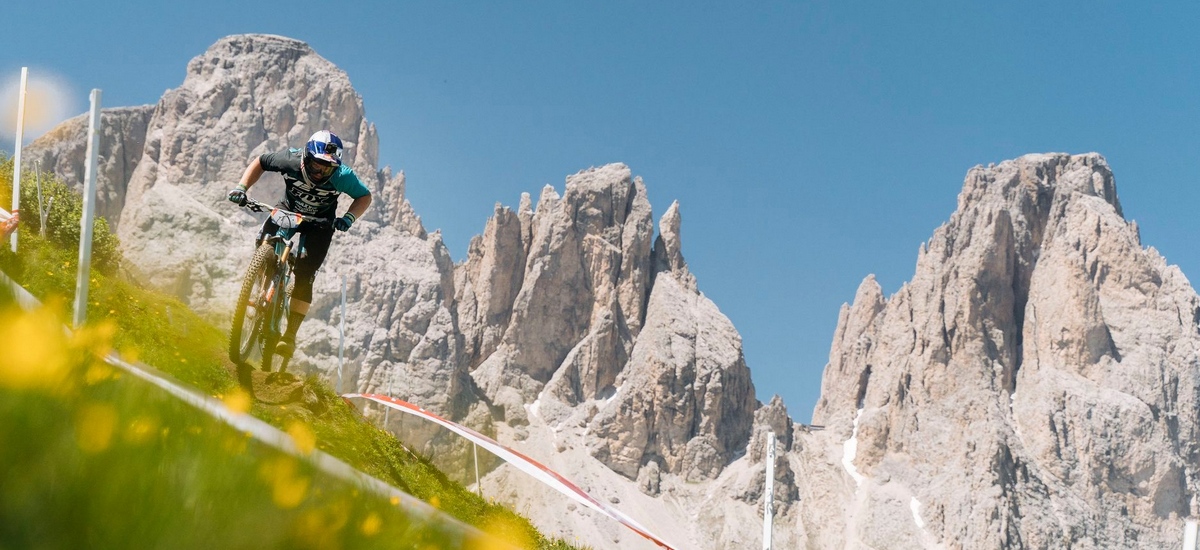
{"x":251,"y":312}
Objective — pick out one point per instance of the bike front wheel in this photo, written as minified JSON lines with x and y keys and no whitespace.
{"x":250,"y":313}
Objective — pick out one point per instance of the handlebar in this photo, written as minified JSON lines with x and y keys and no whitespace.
{"x":280,"y":215}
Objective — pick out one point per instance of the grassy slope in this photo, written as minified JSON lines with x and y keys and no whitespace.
{"x":94,"y":459}
{"x":161,"y":331}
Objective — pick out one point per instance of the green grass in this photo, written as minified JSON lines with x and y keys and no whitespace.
{"x":153,"y":328}
{"x":96,"y":459}
{"x":184,"y":487}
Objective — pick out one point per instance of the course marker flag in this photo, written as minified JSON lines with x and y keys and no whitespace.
{"x":519,"y":461}
{"x":8,"y":222}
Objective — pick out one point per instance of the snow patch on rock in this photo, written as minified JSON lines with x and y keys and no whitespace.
{"x":850,"y":450}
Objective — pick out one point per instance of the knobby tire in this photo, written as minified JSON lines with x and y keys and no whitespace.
{"x":258,"y":276}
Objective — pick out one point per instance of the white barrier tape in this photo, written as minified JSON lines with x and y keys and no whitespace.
{"x":24,"y":298}
{"x":272,"y":436}
{"x":519,"y":461}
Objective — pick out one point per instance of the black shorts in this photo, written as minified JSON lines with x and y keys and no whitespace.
{"x":316,"y":247}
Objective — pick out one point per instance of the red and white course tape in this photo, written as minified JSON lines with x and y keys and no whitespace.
{"x":519,"y":461}
{"x":8,"y":222}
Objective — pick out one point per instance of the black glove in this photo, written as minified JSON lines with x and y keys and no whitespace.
{"x":343,"y":223}
{"x":238,"y":196}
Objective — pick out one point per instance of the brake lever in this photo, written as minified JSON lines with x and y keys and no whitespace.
{"x":255,"y":206}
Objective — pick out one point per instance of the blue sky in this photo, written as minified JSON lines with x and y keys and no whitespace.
{"x":808,"y":143}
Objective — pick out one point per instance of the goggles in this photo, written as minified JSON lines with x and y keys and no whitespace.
{"x":318,"y":168}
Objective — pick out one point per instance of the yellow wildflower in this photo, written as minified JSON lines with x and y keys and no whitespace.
{"x":371,"y":525}
{"x":302,"y":437}
{"x":504,"y":532}
{"x":97,"y":372}
{"x":238,"y":400}
{"x":130,"y":355}
{"x":288,"y":487}
{"x":34,"y":348}
{"x":96,"y":339}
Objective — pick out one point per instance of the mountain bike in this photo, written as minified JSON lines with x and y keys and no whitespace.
{"x":264,"y":300}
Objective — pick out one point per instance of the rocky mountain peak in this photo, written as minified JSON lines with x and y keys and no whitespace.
{"x":668,"y":248}
{"x":583,"y":283}
{"x":651,"y":367}
{"x":1035,"y":346}
{"x":1046,"y":173}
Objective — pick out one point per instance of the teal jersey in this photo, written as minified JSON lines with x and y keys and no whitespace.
{"x":304,"y":197}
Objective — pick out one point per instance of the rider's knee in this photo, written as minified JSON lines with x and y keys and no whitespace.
{"x":303,"y":289}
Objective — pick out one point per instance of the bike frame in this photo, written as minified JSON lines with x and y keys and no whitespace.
{"x":287,"y":249}
{"x":279,"y":301}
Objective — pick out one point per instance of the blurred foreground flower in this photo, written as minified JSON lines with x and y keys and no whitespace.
{"x":303,"y":437}
{"x":238,"y":400}
{"x":319,"y":527}
{"x":37,"y":353}
{"x":505,"y":532}
{"x":33,"y":350}
{"x":94,"y":427}
{"x":288,"y":486}
{"x":95,"y":339}
{"x":372,"y":524}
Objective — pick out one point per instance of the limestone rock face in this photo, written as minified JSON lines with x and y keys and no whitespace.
{"x":570,"y":334}
{"x":63,"y":151}
{"x":1034,"y":385}
{"x":686,"y":399}
{"x":771,"y":418}
{"x":401,"y":336}
{"x":487,"y":284}
{"x":668,"y":249}
{"x":579,"y":304}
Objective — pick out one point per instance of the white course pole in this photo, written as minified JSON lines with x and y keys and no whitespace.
{"x":769,"y":492}
{"x":43,"y":209}
{"x":341,"y":337}
{"x":17,"y":155}
{"x":89,"y":211}
{"x":1189,"y":535}
{"x":391,"y":377}
{"x":478,"y":487}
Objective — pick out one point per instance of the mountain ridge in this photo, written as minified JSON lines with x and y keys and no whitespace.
{"x":958,"y":412}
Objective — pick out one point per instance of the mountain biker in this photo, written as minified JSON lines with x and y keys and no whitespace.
{"x":314,"y":178}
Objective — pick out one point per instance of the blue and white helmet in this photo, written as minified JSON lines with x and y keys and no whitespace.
{"x":324,"y":145}
{"x":322,"y":156}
